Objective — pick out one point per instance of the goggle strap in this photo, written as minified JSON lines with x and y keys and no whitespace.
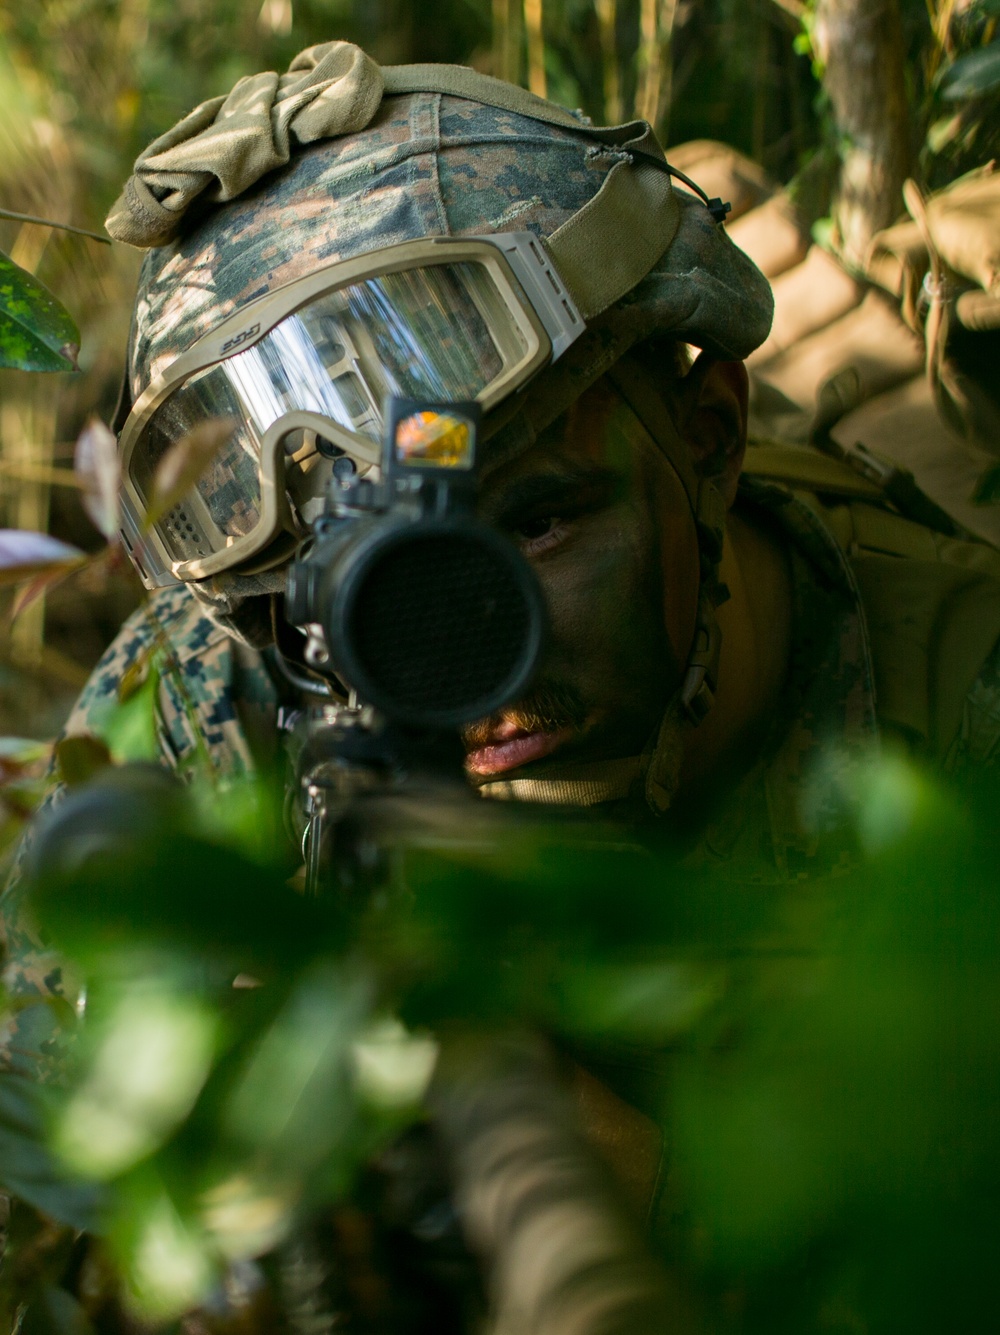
{"x":612,"y":243}
{"x":124,"y":405}
{"x":640,"y":391}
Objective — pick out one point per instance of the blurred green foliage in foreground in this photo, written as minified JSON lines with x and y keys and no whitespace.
{"x":825,"y":1058}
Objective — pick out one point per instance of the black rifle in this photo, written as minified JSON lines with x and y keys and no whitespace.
{"x":421,"y":619}
{"x":416,"y":619}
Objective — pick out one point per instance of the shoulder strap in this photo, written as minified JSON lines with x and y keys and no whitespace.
{"x":803,"y":469}
{"x":858,"y":473}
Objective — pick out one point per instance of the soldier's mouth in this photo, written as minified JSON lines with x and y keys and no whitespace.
{"x":531,"y":730}
{"x":511,"y":746}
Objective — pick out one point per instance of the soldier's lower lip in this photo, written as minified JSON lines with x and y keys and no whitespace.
{"x":517,"y":751}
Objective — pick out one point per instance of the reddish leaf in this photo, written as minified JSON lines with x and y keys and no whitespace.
{"x":25,"y":554}
{"x":98,"y":470}
{"x":45,"y":583}
{"x":185,"y":463}
{"x":19,"y":756}
{"x":33,"y":590}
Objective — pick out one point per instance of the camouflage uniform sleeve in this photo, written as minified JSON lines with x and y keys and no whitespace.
{"x":214,"y":697}
{"x":34,"y":989}
{"x":214,"y":693}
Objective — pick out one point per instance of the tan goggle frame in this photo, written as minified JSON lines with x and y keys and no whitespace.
{"x":532,"y":293}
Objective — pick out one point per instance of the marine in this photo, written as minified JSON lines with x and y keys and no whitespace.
{"x":702,"y":663}
{"x":721,"y":639}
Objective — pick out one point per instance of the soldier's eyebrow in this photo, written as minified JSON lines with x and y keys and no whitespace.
{"x":573,"y":487}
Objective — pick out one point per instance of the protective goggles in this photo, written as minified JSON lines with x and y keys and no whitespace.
{"x":303,"y":375}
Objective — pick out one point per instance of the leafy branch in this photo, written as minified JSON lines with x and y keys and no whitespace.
{"x":37,"y":333}
{"x":47,"y":222}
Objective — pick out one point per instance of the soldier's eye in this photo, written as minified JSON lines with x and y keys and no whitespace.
{"x":536,"y":528}
{"x":541,"y":534}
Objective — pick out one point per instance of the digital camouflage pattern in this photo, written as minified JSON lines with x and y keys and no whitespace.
{"x":216,"y":704}
{"x":215,"y":696}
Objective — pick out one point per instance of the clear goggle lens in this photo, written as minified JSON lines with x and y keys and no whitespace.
{"x":438,"y":333}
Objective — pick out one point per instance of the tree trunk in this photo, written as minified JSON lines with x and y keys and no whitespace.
{"x":860,"y":44}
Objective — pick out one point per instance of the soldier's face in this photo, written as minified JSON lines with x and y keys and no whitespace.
{"x":602,"y":518}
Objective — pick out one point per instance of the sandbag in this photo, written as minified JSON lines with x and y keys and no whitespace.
{"x":897,"y":261}
{"x":871,"y":338}
{"x":963,"y":222}
{"x":979,"y":312}
{"x":809,"y":297}
{"x":944,"y":264}
{"x":772,"y":235}
{"x":723,"y":172}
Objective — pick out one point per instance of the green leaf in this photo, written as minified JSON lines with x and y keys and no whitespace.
{"x":637,"y":1001}
{"x":165,"y":1258}
{"x":822,"y":233}
{"x":80,"y":758}
{"x":37,"y":333}
{"x":20,"y":754}
{"x":22,"y":751}
{"x":129,"y":728}
{"x":27,"y":1169}
{"x":294,"y":1103}
{"x":55,"y":1312}
{"x":149,"y":1058}
{"x":943,"y":132}
{"x":972,"y":75}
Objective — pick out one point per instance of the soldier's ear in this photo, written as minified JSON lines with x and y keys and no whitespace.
{"x":713,"y":419}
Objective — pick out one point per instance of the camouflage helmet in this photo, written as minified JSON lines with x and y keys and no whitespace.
{"x":421,"y":163}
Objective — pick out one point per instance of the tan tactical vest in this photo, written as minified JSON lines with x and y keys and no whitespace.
{"x":931,"y":600}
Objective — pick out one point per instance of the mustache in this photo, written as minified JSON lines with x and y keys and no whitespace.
{"x":547,"y":708}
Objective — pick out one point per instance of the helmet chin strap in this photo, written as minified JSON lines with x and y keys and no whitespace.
{"x":653,"y":774}
{"x":637,"y":386}
{"x":701,"y":672}
{"x":577,"y":784}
